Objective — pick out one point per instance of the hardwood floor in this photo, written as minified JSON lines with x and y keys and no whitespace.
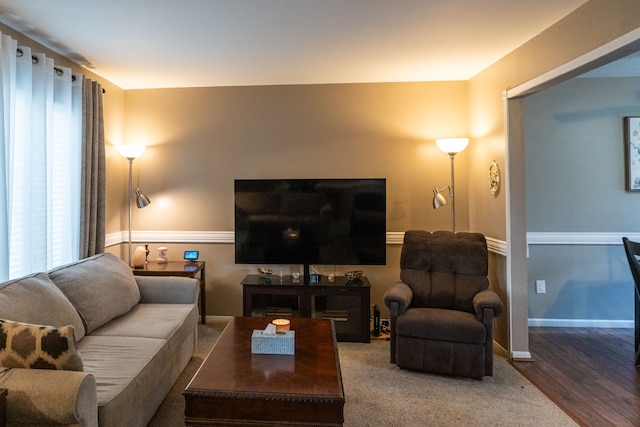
{"x":590,"y":373}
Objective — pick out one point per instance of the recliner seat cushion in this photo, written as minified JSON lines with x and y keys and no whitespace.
{"x":441,"y":325}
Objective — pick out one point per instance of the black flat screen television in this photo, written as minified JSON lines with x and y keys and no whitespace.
{"x":310,"y":221}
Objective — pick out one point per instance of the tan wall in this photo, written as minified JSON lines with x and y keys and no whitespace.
{"x":200,"y":139}
{"x":591,"y":26}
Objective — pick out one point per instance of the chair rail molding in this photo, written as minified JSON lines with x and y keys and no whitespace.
{"x":228,"y":237}
{"x":158,"y":236}
{"x":579,"y":238}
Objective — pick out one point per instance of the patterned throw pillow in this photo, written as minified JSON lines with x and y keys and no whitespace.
{"x":23,"y":345}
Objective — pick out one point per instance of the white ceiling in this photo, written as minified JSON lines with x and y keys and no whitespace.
{"x":188,"y":43}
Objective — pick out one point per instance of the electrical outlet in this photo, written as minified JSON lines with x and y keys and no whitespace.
{"x":541,"y":287}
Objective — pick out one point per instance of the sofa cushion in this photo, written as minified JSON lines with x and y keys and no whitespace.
{"x":150,"y":321}
{"x":129,"y":373}
{"x":23,"y":345}
{"x":101,"y":287}
{"x":168,"y":322}
{"x":35,"y":299}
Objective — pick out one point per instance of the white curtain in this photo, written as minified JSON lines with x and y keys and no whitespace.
{"x":40,"y":162}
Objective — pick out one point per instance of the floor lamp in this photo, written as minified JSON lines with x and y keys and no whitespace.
{"x":451,"y":146}
{"x":130,"y":152}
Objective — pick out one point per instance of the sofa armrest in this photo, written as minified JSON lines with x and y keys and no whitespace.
{"x":401,"y":294}
{"x":487,"y":300}
{"x":48,"y":397}
{"x":168,"y":290}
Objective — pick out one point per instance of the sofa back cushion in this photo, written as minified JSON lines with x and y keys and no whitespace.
{"x":101,"y":288}
{"x":35,"y":299}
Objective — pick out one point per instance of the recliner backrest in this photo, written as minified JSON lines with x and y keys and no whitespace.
{"x":444,"y":269}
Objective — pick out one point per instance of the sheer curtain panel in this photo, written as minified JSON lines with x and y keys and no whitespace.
{"x":40,"y":163}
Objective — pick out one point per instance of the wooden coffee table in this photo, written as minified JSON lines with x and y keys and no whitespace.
{"x":236,"y":388}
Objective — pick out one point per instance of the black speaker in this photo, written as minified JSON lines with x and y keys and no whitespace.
{"x":376,"y":321}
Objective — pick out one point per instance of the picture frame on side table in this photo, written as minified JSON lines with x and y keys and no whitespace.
{"x":632,"y":153}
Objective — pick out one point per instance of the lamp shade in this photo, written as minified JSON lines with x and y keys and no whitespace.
{"x":452,"y":145}
{"x":130,"y":151}
{"x":142,"y":201}
{"x":438,"y":199}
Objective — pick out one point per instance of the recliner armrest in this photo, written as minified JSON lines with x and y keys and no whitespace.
{"x":401,"y":294}
{"x":487,"y":299}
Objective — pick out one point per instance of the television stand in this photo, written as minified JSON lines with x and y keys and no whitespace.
{"x":346,"y":303}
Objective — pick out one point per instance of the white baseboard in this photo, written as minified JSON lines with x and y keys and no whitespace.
{"x":522,"y":355}
{"x":582,"y":323}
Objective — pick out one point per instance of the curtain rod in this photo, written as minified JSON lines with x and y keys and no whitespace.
{"x":58,"y":70}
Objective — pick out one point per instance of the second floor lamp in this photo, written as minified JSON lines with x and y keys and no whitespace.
{"x":451,"y":146}
{"x":130,"y":152}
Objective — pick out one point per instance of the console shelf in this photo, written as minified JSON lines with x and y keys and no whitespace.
{"x":346,"y":303}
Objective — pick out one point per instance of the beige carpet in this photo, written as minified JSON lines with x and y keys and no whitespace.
{"x":377,"y":393}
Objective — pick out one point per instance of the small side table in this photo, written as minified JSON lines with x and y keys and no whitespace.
{"x":180,"y":269}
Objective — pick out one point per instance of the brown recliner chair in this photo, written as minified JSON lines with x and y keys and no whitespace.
{"x":442,"y":309}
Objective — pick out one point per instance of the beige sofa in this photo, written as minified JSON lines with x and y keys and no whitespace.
{"x":134,"y":337}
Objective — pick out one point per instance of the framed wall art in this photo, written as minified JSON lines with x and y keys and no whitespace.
{"x":632,"y":153}
{"x":494,"y":179}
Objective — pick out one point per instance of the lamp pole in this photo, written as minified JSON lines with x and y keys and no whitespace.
{"x":130,"y":152}
{"x":130,"y":195}
{"x":452,"y":195}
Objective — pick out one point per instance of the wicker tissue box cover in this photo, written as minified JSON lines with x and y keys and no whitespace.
{"x":281,"y":343}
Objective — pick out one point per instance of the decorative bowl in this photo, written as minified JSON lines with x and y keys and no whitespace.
{"x":265,"y":273}
{"x":353,"y":275}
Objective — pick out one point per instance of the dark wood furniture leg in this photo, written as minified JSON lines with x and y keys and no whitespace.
{"x":3,"y":407}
